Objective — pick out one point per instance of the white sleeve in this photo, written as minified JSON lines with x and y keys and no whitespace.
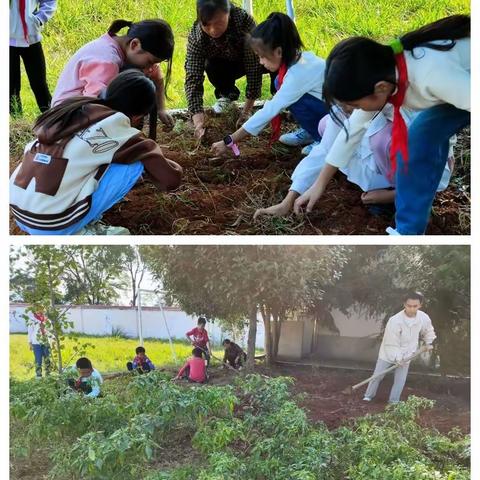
{"x":344,"y":148}
{"x":307,"y":171}
{"x":31,"y":333}
{"x":391,"y":342}
{"x":292,"y":89}
{"x":427,"y":331}
{"x":450,"y":84}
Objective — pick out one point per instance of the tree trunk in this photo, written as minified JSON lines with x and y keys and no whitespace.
{"x":55,"y":327}
{"x":266,"y":314}
{"x":252,"y":337}
{"x":277,"y":329}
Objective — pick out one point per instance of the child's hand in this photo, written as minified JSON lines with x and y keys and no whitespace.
{"x":308,"y":199}
{"x":166,"y":118}
{"x":219,"y":148}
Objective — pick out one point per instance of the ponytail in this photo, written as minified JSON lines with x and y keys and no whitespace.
{"x":130,"y":93}
{"x":357,"y":64}
{"x":117,"y":25}
{"x":279,"y":30}
{"x":65,"y":113}
{"x":450,"y":28}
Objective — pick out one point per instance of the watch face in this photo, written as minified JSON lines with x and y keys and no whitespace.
{"x":227,"y":140}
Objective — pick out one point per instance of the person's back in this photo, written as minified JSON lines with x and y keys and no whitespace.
{"x":100,"y":58}
{"x":197,"y":369}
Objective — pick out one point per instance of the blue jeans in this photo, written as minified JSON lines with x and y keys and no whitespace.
{"x":307,"y":112}
{"x":116,"y":182}
{"x":42,"y":354}
{"x":428,"y":145}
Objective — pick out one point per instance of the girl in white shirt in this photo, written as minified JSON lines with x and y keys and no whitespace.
{"x":427,"y":70}
{"x":368,"y":167}
{"x":299,"y":82}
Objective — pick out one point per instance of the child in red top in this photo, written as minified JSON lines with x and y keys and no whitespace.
{"x":194,"y":369}
{"x":200,"y":338}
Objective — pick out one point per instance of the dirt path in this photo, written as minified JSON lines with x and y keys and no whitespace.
{"x":325,"y":401}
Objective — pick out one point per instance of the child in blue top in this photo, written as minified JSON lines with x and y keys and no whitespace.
{"x":141,"y":362}
{"x":299,"y":83}
{"x":89,"y":379}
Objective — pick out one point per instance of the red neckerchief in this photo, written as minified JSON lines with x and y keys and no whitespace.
{"x":277,"y":120}
{"x":41,"y":318}
{"x":399,"y":142}
{"x":21,"y":11}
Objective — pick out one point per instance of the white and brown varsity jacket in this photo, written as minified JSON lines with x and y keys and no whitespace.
{"x":52,"y":188}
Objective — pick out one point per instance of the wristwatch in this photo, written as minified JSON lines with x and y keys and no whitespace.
{"x":228,"y":141}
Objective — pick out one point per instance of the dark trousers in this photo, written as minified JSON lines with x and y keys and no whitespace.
{"x":34,"y":62}
{"x":222,"y":74}
{"x":139,"y":369}
{"x":236,"y":362}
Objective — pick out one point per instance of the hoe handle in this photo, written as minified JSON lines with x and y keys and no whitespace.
{"x":389,"y":369}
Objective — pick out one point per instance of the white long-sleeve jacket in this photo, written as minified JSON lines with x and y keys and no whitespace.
{"x":402,"y":336}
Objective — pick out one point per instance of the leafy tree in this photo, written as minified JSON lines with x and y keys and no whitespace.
{"x":93,"y":273}
{"x":235,"y":282}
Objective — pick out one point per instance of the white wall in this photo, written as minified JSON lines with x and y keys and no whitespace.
{"x":99,"y":320}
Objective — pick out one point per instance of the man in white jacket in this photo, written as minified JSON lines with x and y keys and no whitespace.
{"x":400,"y":341}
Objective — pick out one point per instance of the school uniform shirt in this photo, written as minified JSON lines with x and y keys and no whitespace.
{"x":304,"y":76}
{"x":200,"y":337}
{"x":370,"y":163}
{"x":90,"y":69}
{"x":402,"y":335}
{"x":197,"y":369}
{"x":230,"y":46}
{"x":434,"y":78}
{"x":27,"y":31}
{"x":52,"y":188}
{"x":36,"y":334}
{"x":143,"y":362}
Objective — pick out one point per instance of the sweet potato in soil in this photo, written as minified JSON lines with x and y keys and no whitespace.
{"x":220,"y":195}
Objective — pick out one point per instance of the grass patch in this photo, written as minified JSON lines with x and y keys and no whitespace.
{"x":322,"y":23}
{"x":108,"y":354}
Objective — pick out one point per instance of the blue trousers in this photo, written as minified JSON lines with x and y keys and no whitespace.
{"x":307,"y":112}
{"x":428,"y":145}
{"x":42,"y":354}
{"x":116,"y":182}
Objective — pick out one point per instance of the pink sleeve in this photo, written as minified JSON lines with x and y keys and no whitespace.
{"x":96,"y":76}
{"x":190,"y":332}
{"x":180,"y":373}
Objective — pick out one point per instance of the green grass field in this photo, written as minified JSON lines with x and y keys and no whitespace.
{"x":321,"y":23}
{"x":110,"y":354}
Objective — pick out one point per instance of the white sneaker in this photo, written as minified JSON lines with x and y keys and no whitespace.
{"x":367,"y":399}
{"x":221,"y":105}
{"x":392,"y":231}
{"x":307,"y":149}
{"x":298,"y":138}
{"x":100,"y":228}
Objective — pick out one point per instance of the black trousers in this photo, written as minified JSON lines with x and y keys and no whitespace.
{"x":34,"y":62}
{"x":222,"y":74}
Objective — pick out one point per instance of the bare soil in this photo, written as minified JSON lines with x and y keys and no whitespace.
{"x":220,"y":195}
